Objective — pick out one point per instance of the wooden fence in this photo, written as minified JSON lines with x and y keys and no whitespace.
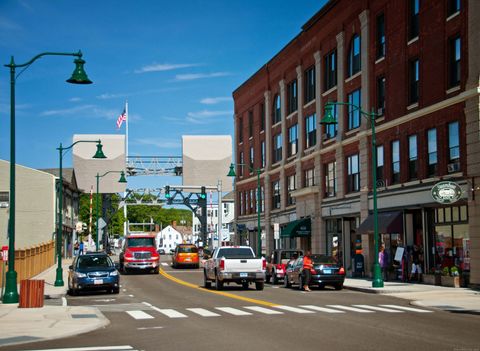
{"x":32,"y":261}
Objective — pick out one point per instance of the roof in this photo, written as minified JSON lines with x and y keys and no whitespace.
{"x":68,"y":175}
{"x":229,"y":196}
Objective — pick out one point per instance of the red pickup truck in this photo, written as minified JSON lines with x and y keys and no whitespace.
{"x":139,"y":253}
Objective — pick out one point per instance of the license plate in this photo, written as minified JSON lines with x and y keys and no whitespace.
{"x":98,"y":281}
{"x":243,"y":275}
{"x":188,"y":259}
{"x":327,"y":271}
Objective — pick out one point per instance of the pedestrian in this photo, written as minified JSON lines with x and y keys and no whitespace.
{"x":69,"y":250}
{"x":80,"y":250}
{"x":306,"y":274}
{"x":416,"y":267}
{"x":383,"y":262}
{"x":76,"y":247}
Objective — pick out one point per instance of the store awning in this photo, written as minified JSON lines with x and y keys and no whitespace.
{"x":299,"y":228}
{"x":388,"y":222}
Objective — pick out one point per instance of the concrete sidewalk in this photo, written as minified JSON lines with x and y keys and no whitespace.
{"x":54,"y":320}
{"x":449,"y":299}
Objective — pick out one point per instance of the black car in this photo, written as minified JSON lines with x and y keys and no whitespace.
{"x":93,"y":271}
{"x":326,"y":271}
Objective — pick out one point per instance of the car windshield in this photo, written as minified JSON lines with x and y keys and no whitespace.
{"x":187,"y":249}
{"x":323,"y":259}
{"x":237,"y":252}
{"x":87,"y":261}
{"x":137,"y":242}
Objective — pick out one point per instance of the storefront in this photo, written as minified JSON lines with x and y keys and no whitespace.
{"x":297,"y":234}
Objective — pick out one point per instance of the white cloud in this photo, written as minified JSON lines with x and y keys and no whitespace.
{"x":107,"y":96}
{"x":75,"y":99}
{"x":162,"y":67}
{"x":215,"y":100}
{"x":160,"y":142}
{"x":194,"y":76}
{"x":67,"y":111}
{"x":209,"y":113}
{"x":7,"y":24}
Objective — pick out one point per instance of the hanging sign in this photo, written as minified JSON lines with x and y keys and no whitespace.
{"x":446,"y":192}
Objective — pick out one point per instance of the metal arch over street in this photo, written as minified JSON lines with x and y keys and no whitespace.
{"x":154,"y":165}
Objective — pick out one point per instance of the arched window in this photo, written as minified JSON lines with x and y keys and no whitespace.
{"x":277,"y":117}
{"x":354,"y":62}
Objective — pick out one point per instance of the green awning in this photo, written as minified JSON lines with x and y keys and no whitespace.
{"x":299,"y":228}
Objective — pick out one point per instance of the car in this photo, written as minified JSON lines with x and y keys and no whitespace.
{"x":326,"y":271}
{"x":277,"y":262}
{"x":93,"y":271}
{"x":185,"y":255}
{"x":139,"y":253}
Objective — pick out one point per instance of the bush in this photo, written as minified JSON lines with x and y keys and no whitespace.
{"x":445,"y":271}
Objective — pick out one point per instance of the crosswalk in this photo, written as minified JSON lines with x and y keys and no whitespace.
{"x":95,"y":348}
{"x":148,"y":311}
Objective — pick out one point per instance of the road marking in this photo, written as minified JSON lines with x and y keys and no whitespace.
{"x":348,"y":308}
{"x":233,"y":296}
{"x":376,"y":308}
{"x":293,"y":309}
{"x":139,"y":315}
{"x":321,"y":309}
{"x":410,"y":309}
{"x":234,"y":311}
{"x":148,"y":328}
{"x":64,"y":301}
{"x":165,"y":264}
{"x":94,"y":348}
{"x":203,"y":312}
{"x":104,"y":300}
{"x":262,"y":310}
{"x":170,"y":313}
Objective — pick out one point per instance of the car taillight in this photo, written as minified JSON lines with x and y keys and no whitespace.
{"x":222,"y":264}
{"x":341,"y":270}
{"x":264,"y":264}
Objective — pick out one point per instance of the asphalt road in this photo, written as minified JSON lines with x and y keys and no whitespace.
{"x":172,"y":311}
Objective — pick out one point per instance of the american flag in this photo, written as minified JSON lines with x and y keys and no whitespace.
{"x":121,"y":118}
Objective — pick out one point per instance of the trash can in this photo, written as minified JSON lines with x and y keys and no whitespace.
{"x":359,"y":266}
{"x":31,"y":293}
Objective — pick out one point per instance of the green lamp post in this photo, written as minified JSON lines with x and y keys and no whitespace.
{"x":98,"y":155}
{"x":330,"y":119}
{"x":231,"y":173}
{"x":78,"y":77}
{"x":98,"y":176}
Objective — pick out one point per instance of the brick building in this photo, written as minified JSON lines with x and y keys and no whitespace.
{"x":416,"y":65}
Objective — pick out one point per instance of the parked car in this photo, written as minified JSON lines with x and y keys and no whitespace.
{"x":185,"y":255}
{"x":277,"y":262}
{"x":325,"y":271}
{"x":93,"y":271}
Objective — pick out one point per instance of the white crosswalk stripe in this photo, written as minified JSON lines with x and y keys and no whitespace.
{"x":262,"y":310}
{"x":293,"y":309}
{"x":95,"y":348}
{"x":321,"y":309}
{"x":234,"y":311}
{"x":139,"y":315}
{"x":348,"y":308}
{"x":203,"y":312}
{"x":165,"y":264}
{"x":409,"y":309}
{"x":170,"y":313}
{"x":376,"y":308}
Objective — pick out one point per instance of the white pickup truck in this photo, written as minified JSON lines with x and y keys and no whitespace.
{"x":236,"y":264}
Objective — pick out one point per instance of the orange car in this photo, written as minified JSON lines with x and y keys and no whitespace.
{"x":185,"y":255}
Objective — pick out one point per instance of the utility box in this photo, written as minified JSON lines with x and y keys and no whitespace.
{"x":31,"y":293}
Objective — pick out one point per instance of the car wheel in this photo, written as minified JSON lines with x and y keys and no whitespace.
{"x":339,"y":286}
{"x":156,"y":270}
{"x":274,"y":278}
{"x":73,"y":292}
{"x":286,"y":282}
{"x":206,"y":283}
{"x":115,"y":290}
{"x":245,"y":285}
{"x":259,"y":285}
{"x":267,"y":278}
{"x":300,"y":283}
{"x":218,"y":283}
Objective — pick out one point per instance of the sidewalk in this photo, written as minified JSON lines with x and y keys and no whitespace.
{"x":449,"y":299}
{"x":21,"y":325}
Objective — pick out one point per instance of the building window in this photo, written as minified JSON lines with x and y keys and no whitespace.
{"x":330,"y":179}
{"x":240,"y":196}
{"x":241,"y":162}
{"x":291,"y":180}
{"x":354,"y":62}
{"x":276,"y":194}
{"x":263,"y":199}
{"x":250,"y":124}
{"x":277,"y":148}
{"x":310,"y":131}
{"x":395,"y":162}
{"x":453,"y":7}
{"x":353,"y":173}
{"x":292,"y":95}
{"x":251,"y":158}
{"x":331,"y":70}
{"x":4,"y":199}
{"x":381,"y":95}
{"x":262,"y":116}
{"x":412,"y":157}
{"x":309,"y":177}
{"x":380,"y":36}
{"x":331,"y":129}
{"x":453,"y":147}
{"x":414,"y":80}
{"x":292,"y":140}
{"x":252,"y":196}
{"x":309,"y":85}
{"x":454,"y":61}
{"x":263,"y":153}
{"x":277,"y":116}
{"x":354,"y":99}
{"x":414,"y":9}
{"x":240,"y":130}
{"x":380,"y":163}
{"x":432,"y":152}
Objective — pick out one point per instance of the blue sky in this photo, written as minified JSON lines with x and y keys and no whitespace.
{"x":177,"y":63}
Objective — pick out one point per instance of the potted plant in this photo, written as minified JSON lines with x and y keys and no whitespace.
{"x":451,"y":277}
{"x":433,"y":277}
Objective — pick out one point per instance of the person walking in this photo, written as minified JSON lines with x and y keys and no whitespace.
{"x":383,"y":262}
{"x":80,"y":251}
{"x":307,"y":275}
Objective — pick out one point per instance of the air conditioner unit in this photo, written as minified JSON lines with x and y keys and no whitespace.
{"x":453,"y":167}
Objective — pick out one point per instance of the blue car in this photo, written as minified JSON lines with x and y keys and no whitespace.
{"x":93,"y":271}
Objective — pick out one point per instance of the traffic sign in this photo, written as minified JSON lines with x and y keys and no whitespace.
{"x":101,"y":223}
{"x":276,"y":231}
{"x":5,"y":253}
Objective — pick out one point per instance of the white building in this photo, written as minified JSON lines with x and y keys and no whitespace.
{"x":168,"y":238}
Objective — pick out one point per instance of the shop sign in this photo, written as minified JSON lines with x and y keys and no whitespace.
{"x":446,"y":192}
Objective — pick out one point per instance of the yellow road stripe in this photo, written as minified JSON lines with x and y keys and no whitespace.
{"x":233,"y":296}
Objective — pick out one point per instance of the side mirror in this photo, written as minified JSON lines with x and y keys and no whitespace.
{"x":70,"y":267}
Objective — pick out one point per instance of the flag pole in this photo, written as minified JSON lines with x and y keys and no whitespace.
{"x":126,"y":156}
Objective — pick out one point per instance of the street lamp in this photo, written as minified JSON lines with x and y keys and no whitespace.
{"x":231,"y":173}
{"x":78,"y":77}
{"x":330,"y":119}
{"x":121,"y":180}
{"x":98,"y":155}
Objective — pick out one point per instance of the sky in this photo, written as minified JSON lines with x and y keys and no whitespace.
{"x":176,"y":62}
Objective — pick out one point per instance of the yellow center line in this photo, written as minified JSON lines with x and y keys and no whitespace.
{"x":232,"y":296}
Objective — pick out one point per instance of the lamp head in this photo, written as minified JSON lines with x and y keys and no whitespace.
{"x":79,"y":76}
{"x":122,"y":178}
{"x":231,"y":173}
{"x":99,"y":153}
{"x":329,"y":118}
